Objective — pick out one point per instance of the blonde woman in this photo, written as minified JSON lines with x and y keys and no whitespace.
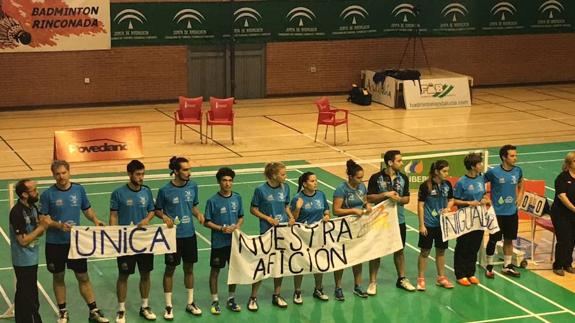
{"x":563,"y":217}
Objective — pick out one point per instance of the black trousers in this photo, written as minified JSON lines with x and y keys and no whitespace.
{"x":466,"y":253}
{"x":26,"y":304}
{"x":565,"y":231}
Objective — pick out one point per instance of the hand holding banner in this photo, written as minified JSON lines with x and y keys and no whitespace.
{"x":464,"y":220}
{"x":116,"y":241}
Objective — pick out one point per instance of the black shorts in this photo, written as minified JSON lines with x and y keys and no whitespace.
{"x":57,"y":259}
{"x":403,"y":232}
{"x":127,"y":264}
{"x":220,"y":256}
{"x":186,"y":250}
{"x":433,"y":233}
{"x":508,"y":226}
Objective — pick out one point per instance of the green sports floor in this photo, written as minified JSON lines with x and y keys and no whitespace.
{"x":527,"y":299}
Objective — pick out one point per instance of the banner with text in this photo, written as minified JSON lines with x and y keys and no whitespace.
{"x":54,"y":25}
{"x":315,"y":248}
{"x":98,"y":144}
{"x":116,"y":241}
{"x":468,"y":219}
{"x":437,"y":93}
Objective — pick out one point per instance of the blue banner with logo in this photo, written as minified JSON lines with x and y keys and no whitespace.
{"x":263,"y":21}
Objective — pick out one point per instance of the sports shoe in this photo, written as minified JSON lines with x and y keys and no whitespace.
{"x":464,"y":281}
{"x":232,"y":305}
{"x":253,"y":304}
{"x":63,"y":317}
{"x":405,"y":284}
{"x":569,"y":269}
{"x":97,"y":316}
{"x":372,"y":289}
{"x":146,"y":312}
{"x":279,"y":301}
{"x":194,"y":309}
{"x":559,"y":271}
{"x":339,"y":294}
{"x":421,"y":284}
{"x":121,"y":317}
{"x":474,"y":280}
{"x":318,"y":293}
{"x":510,"y":270}
{"x":215,"y":308}
{"x":359,"y":292}
{"x":297,"y":299}
{"x":442,"y":281}
{"x":489,"y":272}
{"x":168,"y":314}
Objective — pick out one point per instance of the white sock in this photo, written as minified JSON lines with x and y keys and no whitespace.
{"x":507,"y":260}
{"x":122,"y":307}
{"x":190,"y":295}
{"x":144,"y":302}
{"x":232,"y":295}
{"x":215,"y":298}
{"x":168,"y":297}
{"x":489,"y":260}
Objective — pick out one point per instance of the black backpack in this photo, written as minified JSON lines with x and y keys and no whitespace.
{"x":359,"y":95}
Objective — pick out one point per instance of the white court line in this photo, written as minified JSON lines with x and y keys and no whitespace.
{"x":515,"y":317}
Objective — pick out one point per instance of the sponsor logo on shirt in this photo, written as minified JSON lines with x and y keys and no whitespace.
{"x":176,"y":200}
{"x":129,"y":202}
{"x":73,"y":200}
{"x":223,"y":210}
{"x":59,"y":202}
{"x":513,"y":179}
{"x":471,"y":187}
{"x":509,"y":199}
{"x":142,"y":200}
{"x":318,"y":204}
{"x":501,"y":180}
{"x":270,"y":197}
{"x":281,"y":196}
{"x":188,"y":195}
{"x":186,"y":219}
{"x":234,"y":206}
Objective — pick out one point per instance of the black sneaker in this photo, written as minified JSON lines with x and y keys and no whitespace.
{"x":489,"y":272}
{"x":318,"y":293}
{"x":510,"y":270}
{"x":97,"y":316}
{"x":339,"y":294}
{"x":279,"y":301}
{"x":360,"y":292}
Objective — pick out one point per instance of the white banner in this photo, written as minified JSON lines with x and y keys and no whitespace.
{"x":437,"y":93}
{"x":468,"y":219}
{"x":54,"y":25}
{"x":384,"y":92}
{"x":116,"y":241}
{"x":315,"y":248}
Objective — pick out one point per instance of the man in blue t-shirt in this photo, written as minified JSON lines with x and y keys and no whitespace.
{"x":133,"y":204}
{"x":63,"y":202}
{"x":25,"y":229}
{"x":224,"y":214}
{"x":178,"y":199}
{"x":506,"y":190}
{"x":390,"y":183}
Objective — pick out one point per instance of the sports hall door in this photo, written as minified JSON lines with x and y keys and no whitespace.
{"x":209,"y":71}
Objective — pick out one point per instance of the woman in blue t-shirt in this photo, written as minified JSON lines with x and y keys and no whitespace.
{"x":435,"y":197}
{"x":270,"y":204}
{"x":469,"y":191}
{"x":350,"y":198}
{"x":309,"y":206}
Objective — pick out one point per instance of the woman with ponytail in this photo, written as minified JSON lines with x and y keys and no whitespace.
{"x":309,"y":206}
{"x":435,"y":197}
{"x":270,"y":204}
{"x":350,"y":198}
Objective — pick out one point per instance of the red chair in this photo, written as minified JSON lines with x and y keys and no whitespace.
{"x":189,"y":112}
{"x":221,"y":113}
{"x":328,"y":116}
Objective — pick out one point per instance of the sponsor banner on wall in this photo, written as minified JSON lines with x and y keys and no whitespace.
{"x":465,"y":220}
{"x":117,"y":241}
{"x":437,"y":93}
{"x":314,"y":248}
{"x":98,"y":144}
{"x":54,"y":25}
{"x":382,"y":92}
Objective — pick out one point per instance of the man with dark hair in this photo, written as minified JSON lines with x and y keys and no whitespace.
{"x":390,"y":183}
{"x":64,"y":201}
{"x":25,"y":229}
{"x":133,"y":204}
{"x":506,"y":191}
{"x":178,"y":199}
{"x":224,"y":214}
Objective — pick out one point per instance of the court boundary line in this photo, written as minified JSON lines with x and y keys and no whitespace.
{"x":516,"y":317}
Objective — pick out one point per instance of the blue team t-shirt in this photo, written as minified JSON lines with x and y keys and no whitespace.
{"x":470,"y":188}
{"x":132,"y":206}
{"x":434,"y":201}
{"x":271,"y":201}
{"x":23,"y":220}
{"x":223,"y":210}
{"x":352,"y":198}
{"x":63,"y":206}
{"x":177,"y":202}
{"x":313,"y":208}
{"x":382,"y":182}
{"x":504,"y":189}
